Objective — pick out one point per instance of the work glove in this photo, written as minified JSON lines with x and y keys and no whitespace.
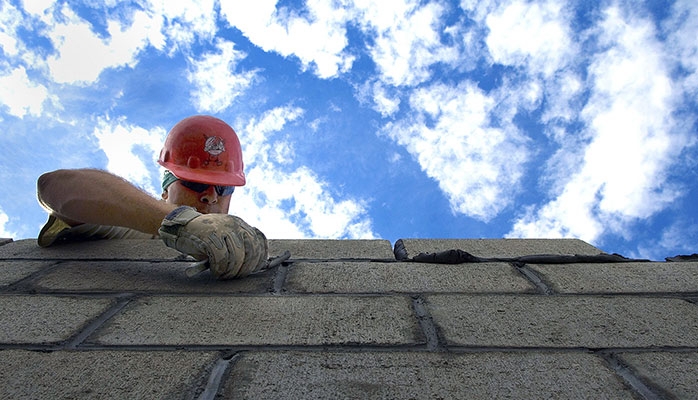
{"x":224,"y":243}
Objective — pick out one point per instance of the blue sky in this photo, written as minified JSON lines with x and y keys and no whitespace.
{"x":374,"y":118}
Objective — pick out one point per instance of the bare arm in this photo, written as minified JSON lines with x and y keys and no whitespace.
{"x":97,"y":197}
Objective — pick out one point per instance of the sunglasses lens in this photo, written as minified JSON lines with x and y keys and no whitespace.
{"x":195,"y":186}
{"x":225,"y":190}
{"x":200,"y":187}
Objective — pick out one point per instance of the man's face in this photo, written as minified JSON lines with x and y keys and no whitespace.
{"x":206,"y":202}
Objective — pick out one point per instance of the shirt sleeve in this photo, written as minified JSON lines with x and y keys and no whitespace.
{"x":57,"y":231}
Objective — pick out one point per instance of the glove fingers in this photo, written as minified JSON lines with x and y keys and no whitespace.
{"x":236,"y":257}
{"x":232,"y":247}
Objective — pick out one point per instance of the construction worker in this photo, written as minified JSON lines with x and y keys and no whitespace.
{"x":203,"y":161}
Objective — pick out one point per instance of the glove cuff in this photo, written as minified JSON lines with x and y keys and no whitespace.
{"x":176,"y":219}
{"x":182,"y":215}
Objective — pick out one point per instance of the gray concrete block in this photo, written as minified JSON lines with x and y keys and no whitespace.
{"x":330,"y":375}
{"x":500,"y":247}
{"x":675,"y":373}
{"x":19,"y":249}
{"x":332,"y":249}
{"x":407,"y":277}
{"x":102,"y":374}
{"x":45,"y":319}
{"x":125,"y":249}
{"x":564,"y":321}
{"x":621,"y":277}
{"x":263,"y":320}
{"x":152,"y":277}
{"x":13,"y":271}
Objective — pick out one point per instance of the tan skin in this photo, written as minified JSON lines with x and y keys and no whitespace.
{"x":206,"y":202}
{"x":92,"y":196}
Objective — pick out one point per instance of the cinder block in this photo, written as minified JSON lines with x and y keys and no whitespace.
{"x":13,"y":271}
{"x":263,"y":320}
{"x":388,"y":375}
{"x":674,"y":372}
{"x":332,"y":249}
{"x":41,"y":319}
{"x":500,"y":247}
{"x":151,"y":277}
{"x":102,"y":374}
{"x":124,"y":249}
{"x":621,"y":277}
{"x":405,"y":277}
{"x":564,"y":321}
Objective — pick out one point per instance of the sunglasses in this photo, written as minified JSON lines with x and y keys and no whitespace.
{"x":200,"y":187}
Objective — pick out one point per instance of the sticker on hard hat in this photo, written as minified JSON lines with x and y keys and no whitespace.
{"x":214,"y":146}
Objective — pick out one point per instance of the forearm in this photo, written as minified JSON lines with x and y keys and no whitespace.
{"x":98,"y":197}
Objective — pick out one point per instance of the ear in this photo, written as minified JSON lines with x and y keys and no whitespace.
{"x":164,"y":195}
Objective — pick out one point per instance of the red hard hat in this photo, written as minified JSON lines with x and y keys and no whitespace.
{"x":204,"y":149}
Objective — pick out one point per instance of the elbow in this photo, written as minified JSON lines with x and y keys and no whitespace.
{"x":44,"y":181}
{"x":49,"y":189}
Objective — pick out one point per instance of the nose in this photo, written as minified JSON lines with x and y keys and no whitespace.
{"x":209,"y":196}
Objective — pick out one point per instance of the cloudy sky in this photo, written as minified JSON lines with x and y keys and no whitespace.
{"x":374,"y":118}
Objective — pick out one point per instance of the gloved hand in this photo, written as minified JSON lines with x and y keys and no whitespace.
{"x":229,"y":246}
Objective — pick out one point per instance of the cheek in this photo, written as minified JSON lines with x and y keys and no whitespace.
{"x":176,"y":196}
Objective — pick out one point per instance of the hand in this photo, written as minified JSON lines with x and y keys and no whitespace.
{"x":231,"y":246}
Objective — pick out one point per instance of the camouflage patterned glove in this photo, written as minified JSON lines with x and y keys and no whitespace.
{"x":232,"y":247}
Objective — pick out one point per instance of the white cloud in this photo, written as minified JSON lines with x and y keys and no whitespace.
{"x":21,"y":95}
{"x":37,"y":7}
{"x":317,"y":38}
{"x":477,"y":165}
{"x":681,"y":235}
{"x":678,"y":238}
{"x":383,"y":102}
{"x":564,"y":92}
{"x":407,"y":38}
{"x":536,"y":39}
{"x":131,"y":151}
{"x":215,"y":82}
{"x":82,"y":55}
{"x":528,"y":34}
{"x":4,"y":231}
{"x":290,"y":203}
{"x":681,"y":29}
{"x":631,"y":141}
{"x":10,"y":19}
{"x":183,"y":21}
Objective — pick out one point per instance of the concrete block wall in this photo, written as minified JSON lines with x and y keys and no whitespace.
{"x":345,"y":319}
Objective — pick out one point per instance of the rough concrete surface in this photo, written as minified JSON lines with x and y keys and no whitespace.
{"x":632,"y":277}
{"x":258,"y":320}
{"x":344,"y":319}
{"x":376,"y":277}
{"x":14,"y":271}
{"x":570,"y":321}
{"x":396,"y":375}
{"x":333,"y":249}
{"x":102,"y":374}
{"x":129,"y":249}
{"x":503,"y":248}
{"x":674,"y":372}
{"x":45,"y":319}
{"x":138,"y":276}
